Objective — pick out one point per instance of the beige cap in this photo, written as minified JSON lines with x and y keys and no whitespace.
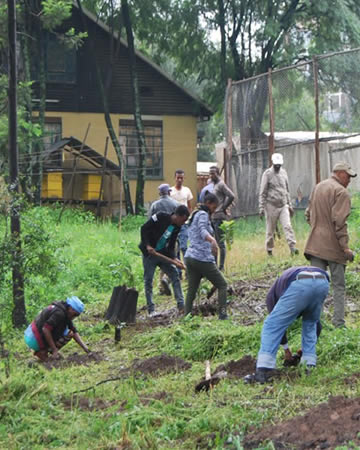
{"x":342,"y":165}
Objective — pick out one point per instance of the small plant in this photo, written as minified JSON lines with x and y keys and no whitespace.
{"x":228,"y":227}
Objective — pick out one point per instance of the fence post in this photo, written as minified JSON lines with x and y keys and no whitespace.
{"x":271,"y":117}
{"x":317,"y":120}
{"x":229,"y":130}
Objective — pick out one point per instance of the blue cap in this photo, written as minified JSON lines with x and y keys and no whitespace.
{"x":76,"y":304}
{"x":164,"y":189}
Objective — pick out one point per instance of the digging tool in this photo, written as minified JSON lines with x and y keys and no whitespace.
{"x":210,"y":381}
{"x":176,"y":262}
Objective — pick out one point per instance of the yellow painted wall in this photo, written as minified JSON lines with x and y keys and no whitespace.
{"x":179,"y":141}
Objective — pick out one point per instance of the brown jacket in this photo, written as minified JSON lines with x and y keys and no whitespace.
{"x":328,"y":210}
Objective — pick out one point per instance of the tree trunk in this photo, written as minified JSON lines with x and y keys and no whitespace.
{"x":140,"y":184}
{"x":108,"y":121}
{"x":18,"y":312}
{"x":26,"y":167}
{"x":223,"y":42}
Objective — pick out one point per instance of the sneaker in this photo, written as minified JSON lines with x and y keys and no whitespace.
{"x":152,"y":313}
{"x":165,"y":286}
{"x":269,"y":252}
{"x":294,"y":251}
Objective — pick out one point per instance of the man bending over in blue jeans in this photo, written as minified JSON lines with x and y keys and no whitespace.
{"x":301,"y":291}
{"x":158,"y":238}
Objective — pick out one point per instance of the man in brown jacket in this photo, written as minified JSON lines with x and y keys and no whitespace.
{"x":328,"y":243}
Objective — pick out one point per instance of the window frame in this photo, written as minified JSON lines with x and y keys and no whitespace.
{"x":157,"y":156}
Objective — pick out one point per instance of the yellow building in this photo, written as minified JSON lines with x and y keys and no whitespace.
{"x":74,"y":108}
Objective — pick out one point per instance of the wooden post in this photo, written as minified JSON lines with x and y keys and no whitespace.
{"x":111,"y":195}
{"x":229,"y":131}
{"x":271,"y":117}
{"x":98,"y":209}
{"x":317,"y":120}
{"x":73,"y":175}
{"x":18,"y":313}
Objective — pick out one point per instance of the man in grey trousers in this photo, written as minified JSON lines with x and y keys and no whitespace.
{"x":328,"y":242}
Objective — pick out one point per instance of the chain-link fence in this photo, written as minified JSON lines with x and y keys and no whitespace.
{"x":309,"y":112}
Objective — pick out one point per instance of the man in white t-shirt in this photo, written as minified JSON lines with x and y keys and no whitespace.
{"x":182,"y":195}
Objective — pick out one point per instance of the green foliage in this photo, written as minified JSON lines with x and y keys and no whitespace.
{"x":132,"y":223}
{"x":54,"y":12}
{"x":41,"y":259}
{"x":197,"y":340}
{"x":228,"y":227}
{"x":26,"y":129}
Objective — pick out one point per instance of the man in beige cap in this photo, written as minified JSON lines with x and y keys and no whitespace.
{"x":328,"y":243}
{"x":275,"y":204}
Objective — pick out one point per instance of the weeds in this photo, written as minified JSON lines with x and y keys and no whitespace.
{"x":88,"y":259}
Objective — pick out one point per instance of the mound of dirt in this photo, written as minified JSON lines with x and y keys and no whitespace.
{"x":328,"y":425}
{"x":160,"y":364}
{"x":352,"y":379}
{"x":238,"y":369}
{"x":74,"y":360}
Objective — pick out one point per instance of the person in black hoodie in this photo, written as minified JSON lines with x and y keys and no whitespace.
{"x":158,"y":237}
{"x":53,"y":328}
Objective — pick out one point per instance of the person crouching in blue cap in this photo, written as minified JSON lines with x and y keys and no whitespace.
{"x":53,"y":328}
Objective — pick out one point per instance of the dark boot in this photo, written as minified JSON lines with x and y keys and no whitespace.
{"x":222,"y":313}
{"x":262,"y":375}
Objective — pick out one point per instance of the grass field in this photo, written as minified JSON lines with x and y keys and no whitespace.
{"x":42,"y":408}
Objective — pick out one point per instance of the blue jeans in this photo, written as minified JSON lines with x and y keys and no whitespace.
{"x":303,"y":297}
{"x":150,"y":263}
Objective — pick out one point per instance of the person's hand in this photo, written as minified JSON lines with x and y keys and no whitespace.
{"x":56,"y":355}
{"x":291,"y":211}
{"x":179,"y":264}
{"x":150,"y":250}
{"x":349,"y":254}
{"x":261,"y":214}
{"x":214,"y":248}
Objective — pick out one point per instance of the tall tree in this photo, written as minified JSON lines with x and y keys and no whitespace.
{"x":105,"y":92}
{"x":19,"y":313}
{"x":139,"y":204}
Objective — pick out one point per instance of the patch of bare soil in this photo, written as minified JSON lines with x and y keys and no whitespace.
{"x":352,"y":379}
{"x":160,"y":364}
{"x":85,"y":403}
{"x":238,"y":369}
{"x":74,"y":359}
{"x":326,"y":426}
{"x":162,"y":395}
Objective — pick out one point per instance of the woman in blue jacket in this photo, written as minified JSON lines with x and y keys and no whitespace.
{"x":201,"y":255}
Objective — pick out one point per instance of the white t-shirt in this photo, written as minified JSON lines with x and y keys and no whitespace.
{"x":183,"y":196}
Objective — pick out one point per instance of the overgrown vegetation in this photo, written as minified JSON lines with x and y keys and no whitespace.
{"x":40,"y":408}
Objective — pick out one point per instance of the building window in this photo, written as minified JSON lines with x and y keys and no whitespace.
{"x":154,"y":148}
{"x":52,"y":134}
{"x":60,"y":61}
